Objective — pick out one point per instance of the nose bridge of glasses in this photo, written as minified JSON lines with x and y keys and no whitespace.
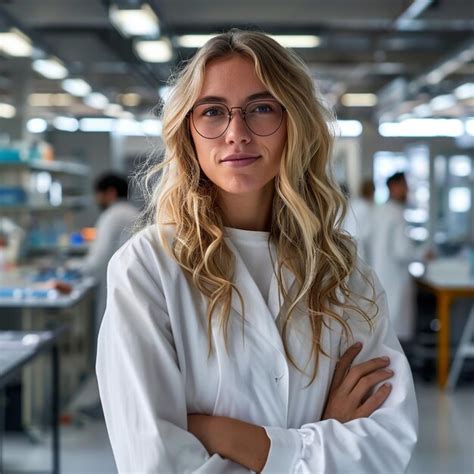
{"x":241,"y":110}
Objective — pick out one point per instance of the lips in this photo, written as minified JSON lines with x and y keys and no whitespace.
{"x":239,"y":157}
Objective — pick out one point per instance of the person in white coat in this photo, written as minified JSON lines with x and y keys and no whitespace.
{"x":241,"y":332}
{"x":113,"y":228}
{"x":359,"y":218}
{"x":392,"y":252}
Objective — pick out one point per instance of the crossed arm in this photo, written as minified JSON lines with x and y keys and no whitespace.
{"x":350,"y":397}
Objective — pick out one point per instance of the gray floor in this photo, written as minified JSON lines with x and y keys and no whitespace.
{"x":445,"y":443}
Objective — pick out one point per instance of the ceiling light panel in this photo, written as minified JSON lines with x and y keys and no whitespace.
{"x":135,"y":22}
{"x":158,"y":51}
{"x":76,"y":86}
{"x":193,"y":41}
{"x":297,"y":41}
{"x":359,"y":100}
{"x":50,"y":68}
{"x":15,"y":43}
{"x":7,"y":110}
{"x":96,"y":100}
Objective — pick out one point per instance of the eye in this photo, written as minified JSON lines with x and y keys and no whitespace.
{"x":261,"y":108}
{"x":211,"y":110}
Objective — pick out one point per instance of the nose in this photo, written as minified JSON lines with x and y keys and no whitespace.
{"x":237,"y":132}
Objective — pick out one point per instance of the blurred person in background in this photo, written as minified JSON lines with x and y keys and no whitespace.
{"x":359,"y":218}
{"x":392,"y":252}
{"x":113,"y":228}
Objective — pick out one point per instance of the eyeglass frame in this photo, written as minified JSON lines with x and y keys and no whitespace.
{"x":230,"y":116}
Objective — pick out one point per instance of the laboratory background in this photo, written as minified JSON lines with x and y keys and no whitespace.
{"x":81,"y":82}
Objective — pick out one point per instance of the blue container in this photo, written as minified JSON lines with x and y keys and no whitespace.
{"x":12,"y":195}
{"x":10,"y":155}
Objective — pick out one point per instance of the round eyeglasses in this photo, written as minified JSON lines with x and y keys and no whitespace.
{"x":262,"y":117}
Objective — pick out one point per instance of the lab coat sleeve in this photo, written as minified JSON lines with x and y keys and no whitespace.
{"x":140,"y":383}
{"x":95,"y":263}
{"x":381,"y":443}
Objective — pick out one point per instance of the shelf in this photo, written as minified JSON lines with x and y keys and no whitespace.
{"x":63,"y":167}
{"x":69,"y":203}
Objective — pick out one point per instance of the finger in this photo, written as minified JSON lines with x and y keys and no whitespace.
{"x":361,"y":370}
{"x":375,"y":401}
{"x":366,"y":384}
{"x":344,"y":363}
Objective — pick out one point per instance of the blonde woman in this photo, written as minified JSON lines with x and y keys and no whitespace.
{"x":229,"y":343}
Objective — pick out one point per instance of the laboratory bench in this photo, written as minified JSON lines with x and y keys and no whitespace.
{"x":31,"y":299}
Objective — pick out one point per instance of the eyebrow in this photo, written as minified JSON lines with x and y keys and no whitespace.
{"x":214,"y":98}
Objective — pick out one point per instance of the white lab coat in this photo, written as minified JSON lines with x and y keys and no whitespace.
{"x":358,"y":223}
{"x":392,"y":251}
{"x":114,"y":227}
{"x":153,"y":369}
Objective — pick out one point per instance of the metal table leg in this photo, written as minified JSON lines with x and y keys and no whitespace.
{"x":55,"y":407}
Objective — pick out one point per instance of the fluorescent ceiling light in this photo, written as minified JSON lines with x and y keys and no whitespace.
{"x":50,"y":100}
{"x":158,"y":51}
{"x":152,"y":127}
{"x":113,"y":110}
{"x":164,"y":92}
{"x":359,"y":100}
{"x":415,"y":9}
{"x":77,"y":87}
{"x":452,"y":64}
{"x":130,"y":99}
{"x":423,"y":128}
{"x":36,"y":125}
{"x":96,"y":124}
{"x":15,"y":43}
{"x":465,"y":91}
{"x":297,"y":41}
{"x":96,"y":100}
{"x":135,"y":22}
{"x":50,"y":68}
{"x":459,"y":199}
{"x":66,"y":124}
{"x":470,"y":126}
{"x":7,"y":110}
{"x":193,"y":41}
{"x":460,"y":165}
{"x":443,"y":102}
{"x":350,"y":128}
{"x":423,"y":110}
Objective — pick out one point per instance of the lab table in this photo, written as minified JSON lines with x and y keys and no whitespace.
{"x":19,"y":348}
{"x":34,"y":306}
{"x":445,"y":292}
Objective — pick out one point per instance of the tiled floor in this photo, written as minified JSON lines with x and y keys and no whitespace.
{"x":445,"y":444}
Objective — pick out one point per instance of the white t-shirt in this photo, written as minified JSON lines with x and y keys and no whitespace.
{"x":254,"y":249}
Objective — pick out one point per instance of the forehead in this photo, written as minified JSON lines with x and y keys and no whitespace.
{"x":232,"y":78}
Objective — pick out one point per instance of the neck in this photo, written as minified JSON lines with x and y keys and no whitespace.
{"x":250,"y":211}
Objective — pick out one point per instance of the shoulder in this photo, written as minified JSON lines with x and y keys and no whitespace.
{"x":363,"y":279}
{"x":144,"y":252}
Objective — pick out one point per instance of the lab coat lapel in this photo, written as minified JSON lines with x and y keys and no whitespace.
{"x":275,"y":296}
{"x":257,"y":312}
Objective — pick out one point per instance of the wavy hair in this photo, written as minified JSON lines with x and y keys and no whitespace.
{"x":308,"y":207}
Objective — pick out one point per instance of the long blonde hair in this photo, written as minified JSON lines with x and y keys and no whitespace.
{"x":308,"y":207}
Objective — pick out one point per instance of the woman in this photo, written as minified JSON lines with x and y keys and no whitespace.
{"x":228,"y":343}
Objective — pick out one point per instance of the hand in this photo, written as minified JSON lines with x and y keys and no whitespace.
{"x":350,"y":395}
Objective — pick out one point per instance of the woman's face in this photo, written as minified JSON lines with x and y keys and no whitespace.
{"x":238,"y":161}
